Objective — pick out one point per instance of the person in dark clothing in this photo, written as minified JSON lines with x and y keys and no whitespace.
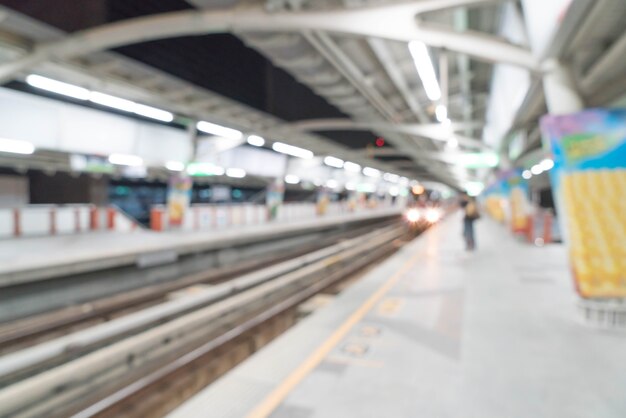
{"x":470,"y":215}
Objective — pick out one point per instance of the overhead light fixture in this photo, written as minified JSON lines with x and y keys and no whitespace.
{"x":126,"y":159}
{"x":204,"y":169}
{"x":351,"y":167}
{"x":292,"y":150}
{"x":477,"y":159}
{"x":366,"y":188}
{"x":16,"y":146}
{"x":112,"y":101}
{"x":58,"y":87}
{"x":175,"y":166}
{"x":394,"y":191}
{"x":536,"y":169}
{"x":107,"y":100}
{"x":452,"y":143}
{"x":527,"y":174}
{"x":332,"y":184}
{"x":293,"y":179}
{"x":371,"y":172}
{"x":256,"y":140}
{"x":219,"y":130}
{"x":390,"y":177}
{"x":333,"y":162}
{"x":425,"y":69}
{"x":350,"y":186}
{"x":474,"y":188}
{"x":153,"y":113}
{"x":547,"y":164}
{"x":441,"y":112}
{"x":237,"y":173}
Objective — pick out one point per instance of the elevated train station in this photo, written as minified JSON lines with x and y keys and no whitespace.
{"x":312,"y":209}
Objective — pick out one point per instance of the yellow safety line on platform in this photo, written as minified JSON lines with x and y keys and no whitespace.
{"x":274,"y":399}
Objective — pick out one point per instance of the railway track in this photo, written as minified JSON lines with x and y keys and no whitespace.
{"x":36,"y":329}
{"x":170,"y":350}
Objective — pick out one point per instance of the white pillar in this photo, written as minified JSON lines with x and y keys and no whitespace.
{"x":562,"y":96}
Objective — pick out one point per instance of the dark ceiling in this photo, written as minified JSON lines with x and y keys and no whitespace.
{"x":220,"y":63}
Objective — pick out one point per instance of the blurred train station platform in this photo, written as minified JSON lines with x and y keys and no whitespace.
{"x":312,"y":208}
{"x":437,"y":332}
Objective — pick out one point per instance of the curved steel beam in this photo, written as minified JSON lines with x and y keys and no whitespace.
{"x":434,"y":131}
{"x":394,"y":22}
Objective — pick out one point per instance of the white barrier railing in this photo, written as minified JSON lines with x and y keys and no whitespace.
{"x":208,"y":217}
{"x":46,"y":220}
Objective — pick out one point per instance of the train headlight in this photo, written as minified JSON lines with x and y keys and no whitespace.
{"x":433,"y":215}
{"x":413,"y":215}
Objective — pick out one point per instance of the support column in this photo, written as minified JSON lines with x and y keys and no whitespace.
{"x":562,"y":96}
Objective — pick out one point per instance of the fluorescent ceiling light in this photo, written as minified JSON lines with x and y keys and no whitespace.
{"x":124,"y":159}
{"x":256,"y":140}
{"x":175,"y":165}
{"x":546,"y":164}
{"x":350,"y":186}
{"x":474,"y":188}
{"x":527,"y":174}
{"x":371,"y":172}
{"x":477,"y":159}
{"x":452,"y":143}
{"x":425,"y":69}
{"x":352,"y":167}
{"x":366,"y":188}
{"x":57,"y":87}
{"x":112,"y":101}
{"x":536,"y":169}
{"x":333,"y":162}
{"x":153,"y":113}
{"x":392,"y":178}
{"x":204,"y":169}
{"x":293,"y":179}
{"x":394,"y":191}
{"x":219,"y":130}
{"x":332,"y":184}
{"x":292,"y":150}
{"x":99,"y":98}
{"x":16,"y":146}
{"x":441,"y":112}
{"x":237,"y":173}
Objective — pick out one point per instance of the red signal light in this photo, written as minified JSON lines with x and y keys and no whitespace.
{"x":380,"y":142}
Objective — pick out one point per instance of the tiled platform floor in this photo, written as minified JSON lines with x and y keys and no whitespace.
{"x":435,"y":332}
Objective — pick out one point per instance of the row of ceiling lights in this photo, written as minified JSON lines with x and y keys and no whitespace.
{"x":81,"y":93}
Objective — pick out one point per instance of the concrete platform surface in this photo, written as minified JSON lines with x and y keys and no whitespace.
{"x":435,"y":332}
{"x":28,"y":259}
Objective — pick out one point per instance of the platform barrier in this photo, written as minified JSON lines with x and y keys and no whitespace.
{"x":541,"y":228}
{"x":210,"y":216}
{"x":47,"y":220}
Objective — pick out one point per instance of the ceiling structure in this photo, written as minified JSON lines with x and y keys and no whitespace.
{"x":327,"y":75}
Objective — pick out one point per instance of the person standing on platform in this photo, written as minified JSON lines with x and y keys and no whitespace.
{"x":470,"y":215}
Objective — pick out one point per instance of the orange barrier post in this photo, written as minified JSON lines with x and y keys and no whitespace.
{"x":94,"y":220}
{"x":547,"y":227}
{"x":530,"y":229}
{"x":156,"y":219}
{"x":17,"y":227}
{"x":53,"y":222}
{"x":110,"y":218}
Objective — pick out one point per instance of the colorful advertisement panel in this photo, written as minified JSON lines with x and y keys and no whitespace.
{"x":507,"y":199}
{"x":589,"y":183}
{"x":178,"y":198}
